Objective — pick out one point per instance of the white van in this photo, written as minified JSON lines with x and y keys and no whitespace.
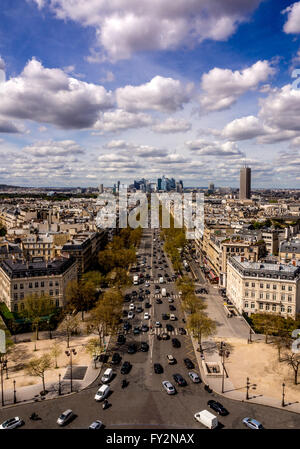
{"x":102,"y":392}
{"x":163,"y":292}
{"x":161,"y":280}
{"x":172,"y":317}
{"x":107,"y":375}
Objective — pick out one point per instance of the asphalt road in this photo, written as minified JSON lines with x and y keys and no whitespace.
{"x":144,"y":403}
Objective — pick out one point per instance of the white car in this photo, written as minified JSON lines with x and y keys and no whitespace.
{"x":96,"y":425}
{"x":102,"y":392}
{"x":170,"y":389}
{"x":65,"y":417}
{"x":172,"y":317}
{"x":130,"y":315}
{"x":132,"y":306}
{"x":171,"y":359}
{"x":194,"y":377}
{"x":147,"y":284}
{"x":146,"y":316}
{"x":11,"y":423}
{"x":157,"y":324}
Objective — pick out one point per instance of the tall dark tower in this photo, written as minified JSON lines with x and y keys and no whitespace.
{"x":245,"y":183}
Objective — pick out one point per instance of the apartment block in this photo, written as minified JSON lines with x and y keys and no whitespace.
{"x":289,"y":251}
{"x":19,"y":279}
{"x":255,"y":287}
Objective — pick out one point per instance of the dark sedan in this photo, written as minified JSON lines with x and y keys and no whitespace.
{"x":217,"y":407}
{"x":144,"y":346}
{"x":132,"y":349}
{"x":189,"y":364}
{"x":158,"y":369}
{"x":126,"y":367}
{"x":179,"y":380}
{"x":176,"y":343}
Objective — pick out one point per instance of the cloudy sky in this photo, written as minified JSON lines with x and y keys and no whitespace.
{"x":97,"y":91}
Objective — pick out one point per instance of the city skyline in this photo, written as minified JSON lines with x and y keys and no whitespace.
{"x":89,"y":99}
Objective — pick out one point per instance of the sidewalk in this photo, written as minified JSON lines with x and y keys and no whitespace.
{"x":230,"y":390}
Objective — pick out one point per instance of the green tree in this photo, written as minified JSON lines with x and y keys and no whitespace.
{"x":36,"y":307}
{"x":80,"y":296}
{"x":38,"y":367}
{"x":266,"y":323}
{"x":192,"y":304}
{"x":200,"y":325}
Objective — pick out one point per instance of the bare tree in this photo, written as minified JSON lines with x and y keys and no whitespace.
{"x":38,"y":366}
{"x":56,"y":351}
{"x":293,"y":360}
{"x":69,"y":326}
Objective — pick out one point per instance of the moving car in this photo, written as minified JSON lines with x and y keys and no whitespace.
{"x":158,"y":301}
{"x":126,"y":326}
{"x":176,"y":343}
{"x":65,"y":417}
{"x":181,"y":331}
{"x":121,"y":339}
{"x":158,"y":369}
{"x":126,"y":367}
{"x":217,"y":407}
{"x":207,"y":419}
{"x":172,"y":317}
{"x":147,"y":305}
{"x":171,"y":359}
{"x":136,"y":330}
{"x":116,"y":358}
{"x":11,"y":423}
{"x":189,"y":364}
{"x":157,"y":324}
{"x":132,"y":349}
{"x":107,"y":375}
{"x":170,"y":389}
{"x":96,"y":425}
{"x":252,"y":423}
{"x":102,"y":392}
{"x":194,"y":377}
{"x":146,"y":316}
{"x":165,"y":336}
{"x":130,"y":315}
{"x":139,"y":309}
{"x":169,"y":327}
{"x":165,"y":316}
{"x":144,"y":346}
{"x":171,"y":307}
{"x":132,"y":306}
{"x":179,"y":379}
{"x":144,"y":328}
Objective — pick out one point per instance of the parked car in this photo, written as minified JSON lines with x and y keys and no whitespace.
{"x":96,"y":425}
{"x":171,"y":359}
{"x":144,"y":328}
{"x":136,"y":330}
{"x":189,"y":364}
{"x":169,"y":388}
{"x":116,"y":358}
{"x":169,"y":327}
{"x":179,"y":379}
{"x":194,"y":377}
{"x":217,"y":407}
{"x":176,"y":343}
{"x":146,"y":316}
{"x":130,"y":315}
{"x":65,"y":417}
{"x":252,"y":423}
{"x":12,"y":423}
{"x":126,"y":367}
{"x":158,"y":369}
{"x":121,"y":339}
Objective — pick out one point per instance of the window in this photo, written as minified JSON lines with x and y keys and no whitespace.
{"x":246,"y":293}
{"x":252,"y":305}
{"x":261,"y":295}
{"x":267,"y":295}
{"x":42,"y":293}
{"x":289,"y":298}
{"x":252,"y":294}
{"x":15,"y":296}
{"x":246,"y":305}
{"x":261,"y":306}
{"x":282,"y":297}
{"x":51,"y":292}
{"x":56,"y":283}
{"x":15,"y":286}
{"x":30,"y":284}
{"x":274,"y":297}
{"x":21,"y":295}
{"x":21,"y":286}
{"x":290,"y":288}
{"x":253,"y":285}
{"x":267,"y":306}
{"x":22,"y":306}
{"x":50,"y":284}
{"x":283,"y":287}
{"x":56,"y":292}
{"x":274,"y":308}
{"x":42,"y":284}
{"x":15,"y":307}
{"x":247,"y":284}
{"x":289,"y":309}
{"x":57,"y":303}
{"x":282,"y":309}
{"x":274,"y":287}
{"x":268,"y":285}
{"x":36,"y":284}
{"x":261,"y":285}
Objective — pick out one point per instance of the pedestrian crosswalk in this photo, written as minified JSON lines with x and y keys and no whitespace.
{"x":161,"y":330}
{"x":159,"y":296}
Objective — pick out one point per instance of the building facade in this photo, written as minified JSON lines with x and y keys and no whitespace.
{"x":255,"y":287}
{"x":245,"y":183}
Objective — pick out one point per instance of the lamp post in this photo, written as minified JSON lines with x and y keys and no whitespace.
{"x":69,"y":354}
{"x":15,"y":393}
{"x":247,"y":386}
{"x":223,"y":353}
{"x":282,"y":402}
{"x":59,"y":385}
{"x":3,"y":364}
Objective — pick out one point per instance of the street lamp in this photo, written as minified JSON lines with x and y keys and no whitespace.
{"x":59,"y":385}
{"x":282,"y":402}
{"x":247,"y":386}
{"x":15,"y":395}
{"x":223,"y":353}
{"x":69,"y":354}
{"x":3,"y":364}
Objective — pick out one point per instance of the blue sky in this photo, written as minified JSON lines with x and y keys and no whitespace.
{"x":97,"y":91}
